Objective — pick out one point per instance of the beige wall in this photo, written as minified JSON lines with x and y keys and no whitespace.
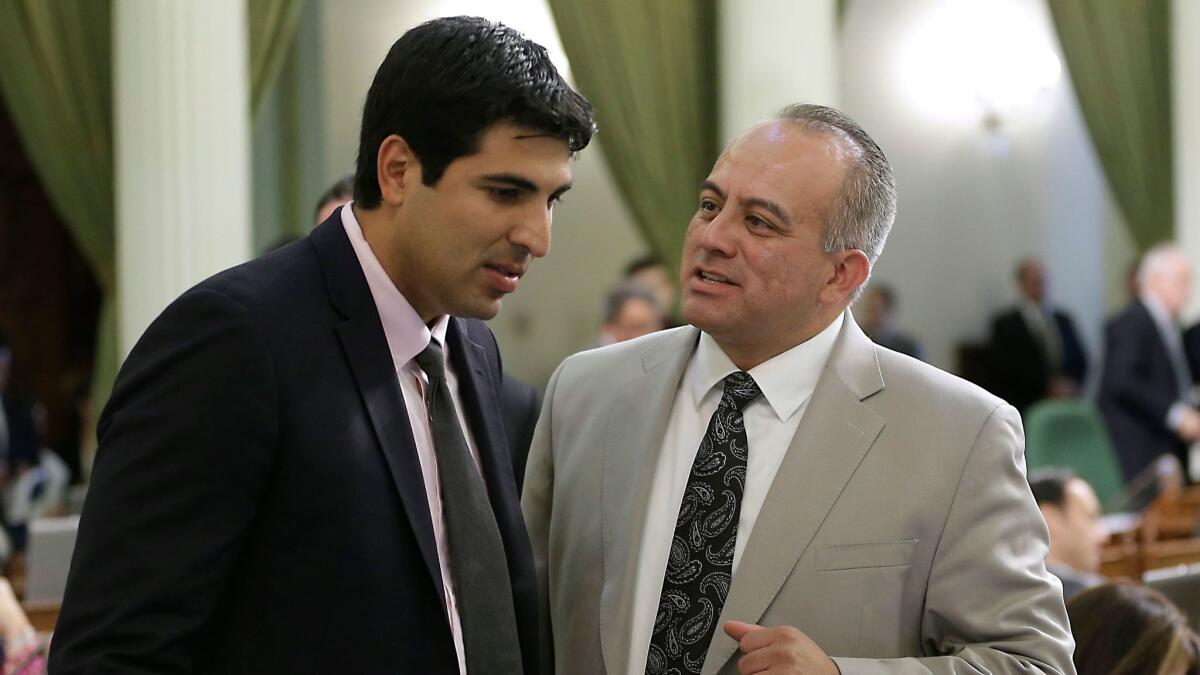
{"x":973,"y":201}
{"x":774,"y":52}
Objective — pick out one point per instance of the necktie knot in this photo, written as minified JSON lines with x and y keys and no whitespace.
{"x":740,"y":389}
{"x":430,"y":360}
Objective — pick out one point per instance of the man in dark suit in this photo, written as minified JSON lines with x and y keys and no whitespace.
{"x":1146,"y":390}
{"x":303,"y":467}
{"x":1035,"y":348}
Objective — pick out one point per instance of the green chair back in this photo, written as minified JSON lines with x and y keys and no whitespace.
{"x":1071,"y":434}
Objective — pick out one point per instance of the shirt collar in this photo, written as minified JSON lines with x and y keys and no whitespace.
{"x":1029,"y":307}
{"x":787,"y":380}
{"x":1157,"y":311}
{"x":406,"y":334}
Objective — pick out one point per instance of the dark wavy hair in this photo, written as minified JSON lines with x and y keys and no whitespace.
{"x":1124,"y":629}
{"x":446,"y":81}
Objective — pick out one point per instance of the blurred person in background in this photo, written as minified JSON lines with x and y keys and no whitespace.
{"x":651,"y":272}
{"x":19,"y":444}
{"x":630,"y":310}
{"x":42,"y":490}
{"x":338,"y":194}
{"x":1035,"y":347}
{"x":879,"y":321}
{"x":1124,"y":629}
{"x":1072,"y":514}
{"x":1146,"y":391}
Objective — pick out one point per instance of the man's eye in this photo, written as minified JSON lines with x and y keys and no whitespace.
{"x":504,"y":194}
{"x":758,"y":223}
{"x":708,"y":206}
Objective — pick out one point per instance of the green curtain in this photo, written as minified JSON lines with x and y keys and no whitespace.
{"x":271,"y":25}
{"x":56,"y":80}
{"x":1119,"y":55}
{"x":650,"y":70}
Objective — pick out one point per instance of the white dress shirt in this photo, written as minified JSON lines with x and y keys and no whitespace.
{"x":407,"y":336}
{"x":787,"y":382}
{"x":1039,"y":319}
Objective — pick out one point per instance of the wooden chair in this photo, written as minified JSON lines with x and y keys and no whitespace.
{"x":1167,"y":536}
{"x":1172,"y":515}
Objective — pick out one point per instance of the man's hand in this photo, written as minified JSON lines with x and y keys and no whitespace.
{"x":1189,"y":425}
{"x":782,"y":650}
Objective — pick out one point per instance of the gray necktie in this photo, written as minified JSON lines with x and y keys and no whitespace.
{"x":477,"y":561}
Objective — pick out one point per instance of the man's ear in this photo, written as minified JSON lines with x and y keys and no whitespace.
{"x":396,"y":168}
{"x":851,"y":269}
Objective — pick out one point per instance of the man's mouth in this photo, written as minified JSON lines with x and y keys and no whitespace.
{"x":713,"y":278}
{"x":504,"y":277}
{"x":513,"y":272}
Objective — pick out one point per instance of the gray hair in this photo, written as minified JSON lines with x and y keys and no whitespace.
{"x":865,"y":206}
{"x":1158,"y":260}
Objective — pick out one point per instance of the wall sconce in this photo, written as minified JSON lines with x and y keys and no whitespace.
{"x":983,"y":62}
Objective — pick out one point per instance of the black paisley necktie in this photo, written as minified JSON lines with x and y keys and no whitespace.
{"x":701,"y":563}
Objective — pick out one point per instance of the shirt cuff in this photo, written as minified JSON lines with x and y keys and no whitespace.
{"x":1175,"y":415}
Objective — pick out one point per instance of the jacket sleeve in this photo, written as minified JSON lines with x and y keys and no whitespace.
{"x":991,"y":606}
{"x":185,"y":451}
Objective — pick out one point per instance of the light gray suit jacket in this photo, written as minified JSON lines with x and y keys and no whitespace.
{"x":899,"y":532}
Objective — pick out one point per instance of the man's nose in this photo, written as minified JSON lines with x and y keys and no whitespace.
{"x":716,"y":235}
{"x":532,"y":232}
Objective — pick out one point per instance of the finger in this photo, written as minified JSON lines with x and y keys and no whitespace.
{"x":760,"y":661}
{"x":739,"y":629}
{"x":765,"y":637}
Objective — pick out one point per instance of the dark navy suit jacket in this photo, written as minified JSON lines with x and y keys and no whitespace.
{"x":1022,"y":369}
{"x":23,"y":441}
{"x":257,"y":504}
{"x":1137,"y":390}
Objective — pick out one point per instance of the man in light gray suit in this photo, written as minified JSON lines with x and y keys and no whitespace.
{"x":766,"y":489}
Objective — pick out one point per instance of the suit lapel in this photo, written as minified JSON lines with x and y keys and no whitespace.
{"x":831,"y":441}
{"x":637,"y":422}
{"x":362,"y":338}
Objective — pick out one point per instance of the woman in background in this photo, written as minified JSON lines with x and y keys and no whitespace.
{"x":1125,"y":629}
